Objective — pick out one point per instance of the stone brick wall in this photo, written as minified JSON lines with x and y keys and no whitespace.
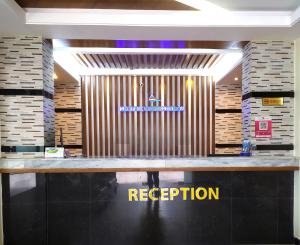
{"x":228,"y":96}
{"x":228,"y":122}
{"x":48,"y":83}
{"x":26,"y":98}
{"x":268,"y":71}
{"x":67,"y":93}
{"x":68,"y":112}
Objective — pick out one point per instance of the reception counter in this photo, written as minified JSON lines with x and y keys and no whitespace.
{"x":148,"y":164}
{"x":87,"y":201}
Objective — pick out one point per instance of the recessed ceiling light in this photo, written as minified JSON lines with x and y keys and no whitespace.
{"x":236,"y":79}
{"x":54,"y":76}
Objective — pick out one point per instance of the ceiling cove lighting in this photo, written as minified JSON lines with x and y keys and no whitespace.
{"x":225,"y":65}
{"x":145,"y":50}
{"x":68,"y":62}
{"x":66,"y":58}
{"x":203,"y":5}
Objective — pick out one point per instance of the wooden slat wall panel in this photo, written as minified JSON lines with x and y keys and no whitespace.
{"x":151,"y":61}
{"x":108,"y":132}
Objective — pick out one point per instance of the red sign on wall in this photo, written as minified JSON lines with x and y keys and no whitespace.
{"x":263,"y":127}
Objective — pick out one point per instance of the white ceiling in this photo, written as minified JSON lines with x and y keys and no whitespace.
{"x":258,"y":5}
{"x":12,"y":17}
{"x":158,"y":25}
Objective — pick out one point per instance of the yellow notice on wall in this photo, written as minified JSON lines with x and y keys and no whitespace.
{"x":272,"y":101}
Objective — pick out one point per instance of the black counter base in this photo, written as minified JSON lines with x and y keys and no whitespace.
{"x":93,"y":209}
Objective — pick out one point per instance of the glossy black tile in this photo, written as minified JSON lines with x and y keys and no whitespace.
{"x":214,"y":179}
{"x":254,"y":220}
{"x":285,"y":221}
{"x":209,"y":222}
{"x":69,"y":223}
{"x":25,"y":224}
{"x":71,"y":187}
{"x":103,"y":186}
{"x":285,"y":181}
{"x":254,"y":184}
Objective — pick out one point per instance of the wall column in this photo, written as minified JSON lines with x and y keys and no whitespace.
{"x":268,"y":71}
{"x":297,"y":140}
{"x":26,"y":96}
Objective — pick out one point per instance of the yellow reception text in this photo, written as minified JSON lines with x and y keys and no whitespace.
{"x":170,"y":194}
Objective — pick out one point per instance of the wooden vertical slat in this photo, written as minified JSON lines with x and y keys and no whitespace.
{"x":113,"y":112}
{"x":146,"y":116}
{"x":151,"y":120}
{"x":97,"y":119}
{"x":141,"y":121}
{"x":173,"y":117}
{"x":119,"y":138}
{"x":84,"y":116}
{"x":201,"y":116}
{"x":179,"y":129}
{"x":213,"y":101}
{"x":157,"y":128}
{"x":162,"y":119}
{"x":135,"y":115}
{"x":125,"y":143}
{"x":168,"y":127}
{"x":90,"y":121}
{"x":93,"y":121}
{"x":184,"y":114}
{"x":103,"y":145}
{"x":195,"y":128}
{"x":208,"y":106}
{"x":205,"y":115}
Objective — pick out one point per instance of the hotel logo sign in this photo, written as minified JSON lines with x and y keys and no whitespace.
{"x":152,"y":99}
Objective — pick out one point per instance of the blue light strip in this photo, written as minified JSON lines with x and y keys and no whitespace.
{"x":151,"y":108}
{"x":150,"y":44}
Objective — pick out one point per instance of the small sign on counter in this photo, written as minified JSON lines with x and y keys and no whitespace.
{"x":272,"y":101}
{"x":263,"y":127}
{"x":54,"y":152}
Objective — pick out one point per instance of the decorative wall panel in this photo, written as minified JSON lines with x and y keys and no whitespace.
{"x":109,"y":132}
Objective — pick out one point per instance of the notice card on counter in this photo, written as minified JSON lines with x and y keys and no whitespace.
{"x":54,"y":152}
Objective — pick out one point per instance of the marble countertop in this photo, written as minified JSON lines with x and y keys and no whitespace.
{"x":148,"y":164}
